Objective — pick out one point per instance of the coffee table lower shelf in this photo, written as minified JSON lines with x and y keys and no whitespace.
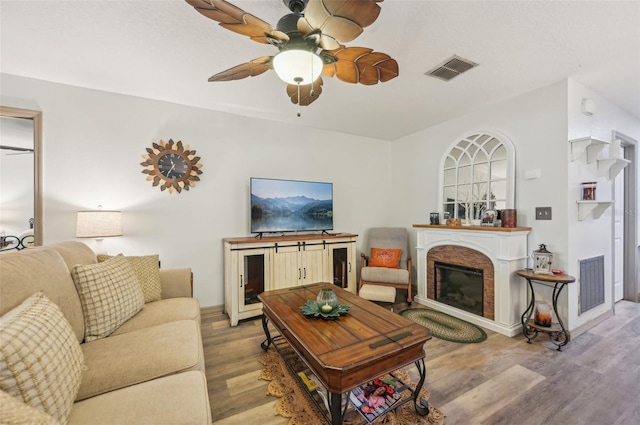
{"x":296,"y":365}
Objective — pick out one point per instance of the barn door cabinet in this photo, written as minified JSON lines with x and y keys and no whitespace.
{"x":253,"y":265}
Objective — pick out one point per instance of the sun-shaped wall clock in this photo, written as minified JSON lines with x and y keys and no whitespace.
{"x":171,"y":165}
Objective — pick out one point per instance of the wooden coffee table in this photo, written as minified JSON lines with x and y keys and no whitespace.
{"x":366,"y":343}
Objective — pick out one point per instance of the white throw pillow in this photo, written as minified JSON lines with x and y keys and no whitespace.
{"x":110,"y":294}
{"x":41,"y":361}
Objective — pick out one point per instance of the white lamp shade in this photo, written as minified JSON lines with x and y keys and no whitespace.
{"x":297,"y":66}
{"x":98,"y":224}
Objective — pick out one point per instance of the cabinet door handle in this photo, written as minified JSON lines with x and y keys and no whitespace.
{"x":299,"y":274}
{"x":305,"y":272}
{"x":241,"y":281}
{"x":349,"y":266}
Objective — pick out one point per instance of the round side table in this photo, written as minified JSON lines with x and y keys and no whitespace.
{"x":557,"y":332}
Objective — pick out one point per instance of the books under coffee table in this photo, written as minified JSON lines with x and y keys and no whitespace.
{"x":349,"y":351}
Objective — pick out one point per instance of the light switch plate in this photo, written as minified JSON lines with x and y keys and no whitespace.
{"x":543,"y":213}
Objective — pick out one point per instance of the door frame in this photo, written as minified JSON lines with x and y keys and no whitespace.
{"x":630,"y":221}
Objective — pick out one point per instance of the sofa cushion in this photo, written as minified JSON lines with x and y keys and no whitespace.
{"x":163,"y":311}
{"x":110,"y":295}
{"x":180,"y":399}
{"x":123,"y":360}
{"x":40,"y":358}
{"x":147,"y":270}
{"x":31,"y":270}
{"x":15,"y":412}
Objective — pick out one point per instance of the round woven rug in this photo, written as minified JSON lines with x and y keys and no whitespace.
{"x":444,"y":326}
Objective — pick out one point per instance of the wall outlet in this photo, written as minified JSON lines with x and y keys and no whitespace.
{"x":543,"y":213}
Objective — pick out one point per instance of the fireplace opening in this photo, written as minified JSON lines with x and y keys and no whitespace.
{"x":460,"y":287}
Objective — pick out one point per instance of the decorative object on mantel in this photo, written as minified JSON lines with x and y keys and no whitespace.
{"x":509,"y":218}
{"x":172,"y":166}
{"x":542,"y":260}
{"x":489,"y":218}
{"x":434,"y":218}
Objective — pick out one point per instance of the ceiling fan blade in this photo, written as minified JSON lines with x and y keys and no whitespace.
{"x":249,"y":69}
{"x":237,"y":20}
{"x":307,"y":96}
{"x":361,"y":65}
{"x":340,"y":20}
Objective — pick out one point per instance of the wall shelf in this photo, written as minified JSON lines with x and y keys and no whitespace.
{"x":595,"y":208}
{"x":590,"y":145}
{"x":610,"y":167}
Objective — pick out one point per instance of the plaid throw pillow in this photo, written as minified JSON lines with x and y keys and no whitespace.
{"x":40,"y":359}
{"x":14,"y":412}
{"x":110,"y":295}
{"x":147,"y":270}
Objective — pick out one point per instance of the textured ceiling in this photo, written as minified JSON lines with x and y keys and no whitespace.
{"x":165,"y":50}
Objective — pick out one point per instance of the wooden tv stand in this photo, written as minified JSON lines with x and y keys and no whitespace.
{"x":253,"y":265}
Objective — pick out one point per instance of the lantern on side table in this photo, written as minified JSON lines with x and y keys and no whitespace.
{"x":542,"y":260}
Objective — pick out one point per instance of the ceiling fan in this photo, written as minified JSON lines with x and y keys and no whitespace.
{"x":310,"y":42}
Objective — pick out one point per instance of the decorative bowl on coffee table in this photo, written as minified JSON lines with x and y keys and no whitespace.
{"x":311,"y":308}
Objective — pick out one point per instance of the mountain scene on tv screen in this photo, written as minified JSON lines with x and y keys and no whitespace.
{"x":290,"y":213}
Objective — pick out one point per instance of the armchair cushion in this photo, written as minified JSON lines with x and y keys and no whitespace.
{"x":390,"y":238}
{"x":383,"y":257}
{"x":385,"y":275}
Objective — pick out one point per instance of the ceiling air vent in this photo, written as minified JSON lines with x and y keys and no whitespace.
{"x":450,"y":68}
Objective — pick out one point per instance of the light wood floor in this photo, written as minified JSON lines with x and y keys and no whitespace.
{"x":595,"y":380}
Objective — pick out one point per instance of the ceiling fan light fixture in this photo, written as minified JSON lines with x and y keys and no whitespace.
{"x":297,"y":66}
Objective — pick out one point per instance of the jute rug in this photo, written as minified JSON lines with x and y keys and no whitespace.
{"x":444,"y":326}
{"x":294,"y":403}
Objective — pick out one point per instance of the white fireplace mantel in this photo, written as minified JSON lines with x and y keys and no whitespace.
{"x":507,"y":250}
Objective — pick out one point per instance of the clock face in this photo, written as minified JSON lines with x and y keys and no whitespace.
{"x":172,"y":166}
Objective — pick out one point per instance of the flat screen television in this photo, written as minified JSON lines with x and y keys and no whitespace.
{"x":290,"y":205}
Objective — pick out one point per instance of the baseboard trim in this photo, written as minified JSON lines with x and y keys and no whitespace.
{"x":212,"y":309}
{"x":574,"y":333}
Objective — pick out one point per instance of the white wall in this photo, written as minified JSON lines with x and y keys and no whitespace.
{"x":93,"y":145}
{"x":592,"y":237}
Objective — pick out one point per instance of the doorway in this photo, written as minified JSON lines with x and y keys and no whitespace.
{"x":625,"y":225}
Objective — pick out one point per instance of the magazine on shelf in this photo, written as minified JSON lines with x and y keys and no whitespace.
{"x":377,"y":397}
{"x":313,"y":385}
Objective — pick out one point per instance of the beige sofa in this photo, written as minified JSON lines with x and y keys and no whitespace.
{"x":150,"y":370}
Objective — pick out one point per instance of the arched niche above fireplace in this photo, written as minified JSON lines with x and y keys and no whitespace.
{"x":477,"y":175}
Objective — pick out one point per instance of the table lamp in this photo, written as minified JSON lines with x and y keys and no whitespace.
{"x":99,"y":224}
